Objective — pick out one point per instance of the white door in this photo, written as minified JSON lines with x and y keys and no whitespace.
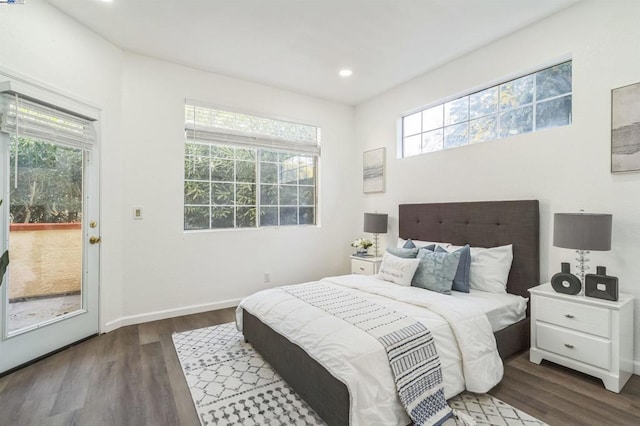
{"x":50,"y":225}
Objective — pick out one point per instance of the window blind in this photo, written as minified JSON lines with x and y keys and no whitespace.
{"x":209,"y":125}
{"x":26,"y":118}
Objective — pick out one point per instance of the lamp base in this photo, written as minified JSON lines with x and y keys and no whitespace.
{"x":375,"y":241}
{"x":582,"y":267}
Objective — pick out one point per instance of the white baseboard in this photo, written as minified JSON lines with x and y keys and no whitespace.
{"x":167,"y":313}
{"x":636,"y":367}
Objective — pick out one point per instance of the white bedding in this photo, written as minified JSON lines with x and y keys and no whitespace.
{"x":358,"y":359}
{"x":502,"y":309}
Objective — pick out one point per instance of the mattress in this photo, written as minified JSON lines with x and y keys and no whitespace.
{"x":358,"y":359}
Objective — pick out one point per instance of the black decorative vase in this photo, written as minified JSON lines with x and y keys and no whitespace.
{"x":601,"y":285}
{"x":565,"y":282}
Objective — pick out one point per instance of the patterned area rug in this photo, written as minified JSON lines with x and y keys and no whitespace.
{"x":231,"y":384}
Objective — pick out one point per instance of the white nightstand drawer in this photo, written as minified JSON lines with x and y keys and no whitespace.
{"x":362,"y":267}
{"x":588,"y":319}
{"x":577,"y":346}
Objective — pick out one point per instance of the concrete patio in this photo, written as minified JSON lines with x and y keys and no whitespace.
{"x":34,"y":311}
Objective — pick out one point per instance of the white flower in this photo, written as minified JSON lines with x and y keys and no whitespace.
{"x":361,"y":242}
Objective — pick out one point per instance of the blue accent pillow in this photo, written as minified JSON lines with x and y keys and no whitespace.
{"x":409,"y":244}
{"x":436,"y":271}
{"x":461,"y":280}
{"x":405,"y":253}
{"x":430,"y":247}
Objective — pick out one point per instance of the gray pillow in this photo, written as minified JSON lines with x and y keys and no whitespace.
{"x":409,"y":244}
{"x":430,"y":247}
{"x":461,"y":280}
{"x":406,"y":253}
{"x":436,"y":271}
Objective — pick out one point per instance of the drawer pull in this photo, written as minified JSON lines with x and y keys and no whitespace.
{"x":568,"y":345}
{"x":569,"y":315}
{"x":361,"y":268}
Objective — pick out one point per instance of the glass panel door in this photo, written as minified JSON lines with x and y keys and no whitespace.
{"x":45,"y":234}
{"x":49,"y":223}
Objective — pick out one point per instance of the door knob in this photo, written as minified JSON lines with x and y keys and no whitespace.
{"x":94,"y":240}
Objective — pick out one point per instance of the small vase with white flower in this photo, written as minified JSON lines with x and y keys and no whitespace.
{"x":361,"y":245}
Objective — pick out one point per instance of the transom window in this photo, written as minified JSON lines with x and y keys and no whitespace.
{"x":533,"y":102}
{"x":243,"y":171}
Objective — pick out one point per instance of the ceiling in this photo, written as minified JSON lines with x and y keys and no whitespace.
{"x":300,"y":45}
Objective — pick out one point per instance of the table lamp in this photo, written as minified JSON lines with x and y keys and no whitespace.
{"x":375,"y":223}
{"x":582,"y":232}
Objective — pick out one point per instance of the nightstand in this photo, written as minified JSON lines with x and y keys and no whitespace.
{"x":590,"y":335}
{"x":365,"y":265}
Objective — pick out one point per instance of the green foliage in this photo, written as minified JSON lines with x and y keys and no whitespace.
{"x":516,"y":93}
{"x":196,"y":192}
{"x":269,"y":195}
{"x":222,"y":169}
{"x":196,"y":218}
{"x":553,"y":81}
{"x":268,"y":172}
{"x":288,"y":195}
{"x":496,"y":112}
{"x":49,"y":182}
{"x":225,"y":185}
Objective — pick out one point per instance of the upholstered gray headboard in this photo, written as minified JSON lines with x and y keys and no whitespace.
{"x":482,"y":224}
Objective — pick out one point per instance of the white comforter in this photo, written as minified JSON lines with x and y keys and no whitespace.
{"x":462,"y":334}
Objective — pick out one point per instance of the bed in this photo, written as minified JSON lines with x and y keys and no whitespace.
{"x":481,"y":224}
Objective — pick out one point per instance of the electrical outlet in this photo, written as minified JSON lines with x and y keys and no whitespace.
{"x":267,"y":277}
{"x":137,"y":213}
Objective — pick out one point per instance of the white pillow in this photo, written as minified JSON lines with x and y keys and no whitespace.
{"x":419,"y":243}
{"x":397,"y":269}
{"x":490,"y":268}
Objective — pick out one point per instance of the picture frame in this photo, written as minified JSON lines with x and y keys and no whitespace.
{"x":625,"y":129}
{"x":373,"y":170}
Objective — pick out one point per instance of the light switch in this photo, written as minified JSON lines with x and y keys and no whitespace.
{"x":137,"y":213}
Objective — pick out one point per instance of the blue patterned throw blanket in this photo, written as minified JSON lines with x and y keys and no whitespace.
{"x":409,"y":345}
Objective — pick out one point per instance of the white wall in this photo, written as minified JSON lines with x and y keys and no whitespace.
{"x":567,"y":168}
{"x":39,"y":42}
{"x":165,"y":268}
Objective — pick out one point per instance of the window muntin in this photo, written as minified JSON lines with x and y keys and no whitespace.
{"x":533,"y":102}
{"x":248,"y":185}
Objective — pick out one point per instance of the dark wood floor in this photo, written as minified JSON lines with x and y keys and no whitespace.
{"x":132,"y":376}
{"x":560,"y":396}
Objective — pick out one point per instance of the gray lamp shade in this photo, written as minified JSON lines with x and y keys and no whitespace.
{"x":375,"y":223}
{"x":582,"y":231}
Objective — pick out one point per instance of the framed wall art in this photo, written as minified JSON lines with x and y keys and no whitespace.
{"x":373,"y":170}
{"x":625,"y":129}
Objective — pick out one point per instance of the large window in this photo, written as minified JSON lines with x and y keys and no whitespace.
{"x":533,"y":102}
{"x":243,"y":171}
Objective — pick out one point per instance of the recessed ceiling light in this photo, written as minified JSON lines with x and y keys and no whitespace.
{"x":345,"y":72}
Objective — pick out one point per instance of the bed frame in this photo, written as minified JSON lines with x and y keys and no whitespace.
{"x":481,"y":224}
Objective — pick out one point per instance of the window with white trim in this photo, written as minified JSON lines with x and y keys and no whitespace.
{"x":244,"y":171}
{"x":536,"y":101}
